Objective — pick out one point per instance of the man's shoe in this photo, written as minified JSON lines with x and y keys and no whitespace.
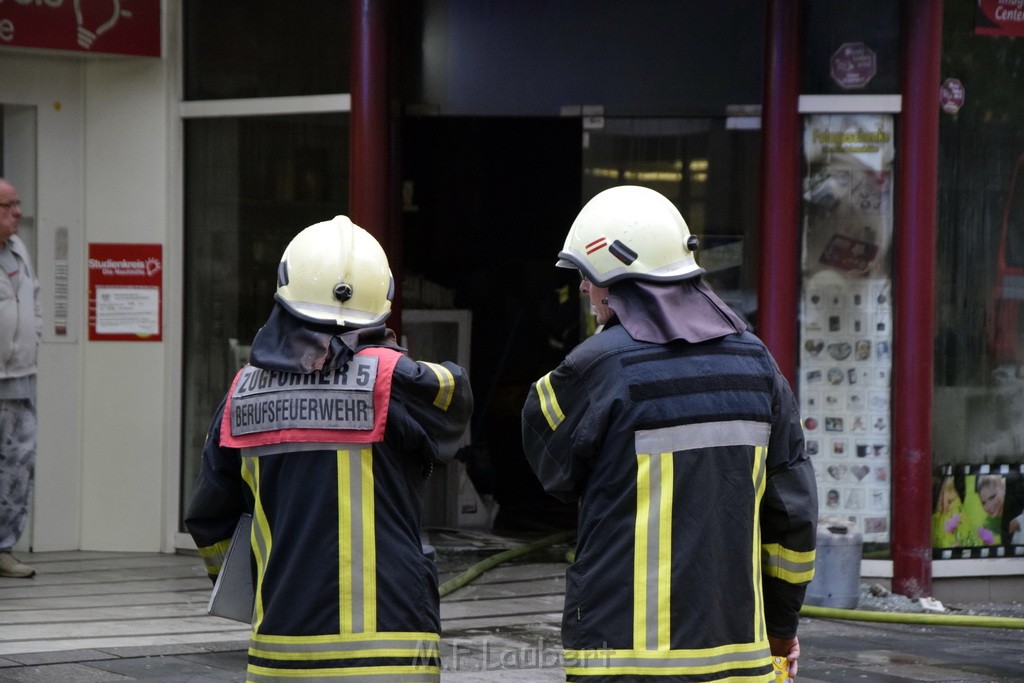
{"x":12,"y":568}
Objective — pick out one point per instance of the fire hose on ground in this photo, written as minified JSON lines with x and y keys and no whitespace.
{"x":929,"y":619}
{"x":493,"y":561}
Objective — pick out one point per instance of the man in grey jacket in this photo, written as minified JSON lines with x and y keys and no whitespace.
{"x":20,"y":329}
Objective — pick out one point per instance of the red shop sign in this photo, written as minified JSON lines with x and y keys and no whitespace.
{"x":125,"y":292}
{"x":999,"y":18}
{"x":110,"y":27}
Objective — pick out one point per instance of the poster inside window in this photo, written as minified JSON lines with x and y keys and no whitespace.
{"x":978,"y":511}
{"x":846,"y":315}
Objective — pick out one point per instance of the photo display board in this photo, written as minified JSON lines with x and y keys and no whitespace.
{"x":846,"y":315}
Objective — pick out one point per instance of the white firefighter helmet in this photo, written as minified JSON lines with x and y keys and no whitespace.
{"x":630,"y":232}
{"x":336,"y":273}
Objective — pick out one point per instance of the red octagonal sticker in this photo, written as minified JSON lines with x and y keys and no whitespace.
{"x":853,"y":65}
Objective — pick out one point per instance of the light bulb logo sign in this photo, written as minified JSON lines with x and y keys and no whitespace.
{"x":110,"y":27}
{"x":125,"y":292}
{"x":95,"y":18}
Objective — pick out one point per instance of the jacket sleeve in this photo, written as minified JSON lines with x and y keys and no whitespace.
{"x":220,"y":498}
{"x":22,"y":251}
{"x":558,"y":431}
{"x":431,"y":407}
{"x":789,"y":515}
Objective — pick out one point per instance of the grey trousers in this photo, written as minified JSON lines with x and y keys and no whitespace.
{"x":17,"y":466}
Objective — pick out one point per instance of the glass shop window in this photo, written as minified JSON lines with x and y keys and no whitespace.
{"x":251,"y":183}
{"x":978,"y":424}
{"x":710,"y":170}
{"x":262,"y":48}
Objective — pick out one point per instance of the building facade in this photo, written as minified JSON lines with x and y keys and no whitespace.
{"x":196,"y":138}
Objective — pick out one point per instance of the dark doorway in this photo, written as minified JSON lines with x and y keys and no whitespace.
{"x":487,"y":205}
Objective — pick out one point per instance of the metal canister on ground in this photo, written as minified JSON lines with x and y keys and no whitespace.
{"x":836,"y":580}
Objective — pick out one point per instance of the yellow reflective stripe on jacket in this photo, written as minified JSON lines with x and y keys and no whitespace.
{"x":362,"y":674}
{"x":655,"y":486}
{"x":357,"y":556}
{"x":549,"y":403}
{"x":213,"y":555}
{"x":792,"y":566}
{"x":652,"y":557}
{"x":421,"y":651}
{"x":357,"y":542}
{"x":754,"y":657}
{"x":446,"y":385}
{"x":760,"y":481}
{"x":261,"y":539}
{"x":347,"y":645}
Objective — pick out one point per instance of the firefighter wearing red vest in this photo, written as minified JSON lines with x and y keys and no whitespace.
{"x":681,"y":441}
{"x":326,"y":436}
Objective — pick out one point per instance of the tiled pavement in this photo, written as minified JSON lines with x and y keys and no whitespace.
{"x":92,"y":616}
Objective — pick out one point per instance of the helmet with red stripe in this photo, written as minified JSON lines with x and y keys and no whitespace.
{"x":630,"y":232}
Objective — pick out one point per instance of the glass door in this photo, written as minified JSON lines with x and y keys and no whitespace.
{"x":251,"y":184}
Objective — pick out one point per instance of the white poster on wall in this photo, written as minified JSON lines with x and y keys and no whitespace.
{"x":846,"y":315}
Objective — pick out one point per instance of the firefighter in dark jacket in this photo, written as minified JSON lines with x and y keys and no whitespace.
{"x":680,"y":439}
{"x":326,"y":437}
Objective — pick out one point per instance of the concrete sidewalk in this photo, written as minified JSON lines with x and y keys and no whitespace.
{"x":90,"y":616}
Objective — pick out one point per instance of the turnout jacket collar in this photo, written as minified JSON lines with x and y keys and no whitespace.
{"x":288,"y":344}
{"x":664,"y":312}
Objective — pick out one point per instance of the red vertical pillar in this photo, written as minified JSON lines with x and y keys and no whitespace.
{"x":777,"y":289}
{"x":371,"y":171}
{"x":914,"y":289}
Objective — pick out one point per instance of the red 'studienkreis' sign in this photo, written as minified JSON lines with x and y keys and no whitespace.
{"x":109,"y":27}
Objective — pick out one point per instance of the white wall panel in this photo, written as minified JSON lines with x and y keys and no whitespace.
{"x":54,"y":87}
{"x":126,"y":201}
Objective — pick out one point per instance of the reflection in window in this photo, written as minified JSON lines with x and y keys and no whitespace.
{"x":708,"y":171}
{"x":979,"y":343}
{"x":1013,"y":224}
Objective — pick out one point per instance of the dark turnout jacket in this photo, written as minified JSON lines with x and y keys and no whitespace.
{"x":327,"y":438}
{"x":697,"y":504}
